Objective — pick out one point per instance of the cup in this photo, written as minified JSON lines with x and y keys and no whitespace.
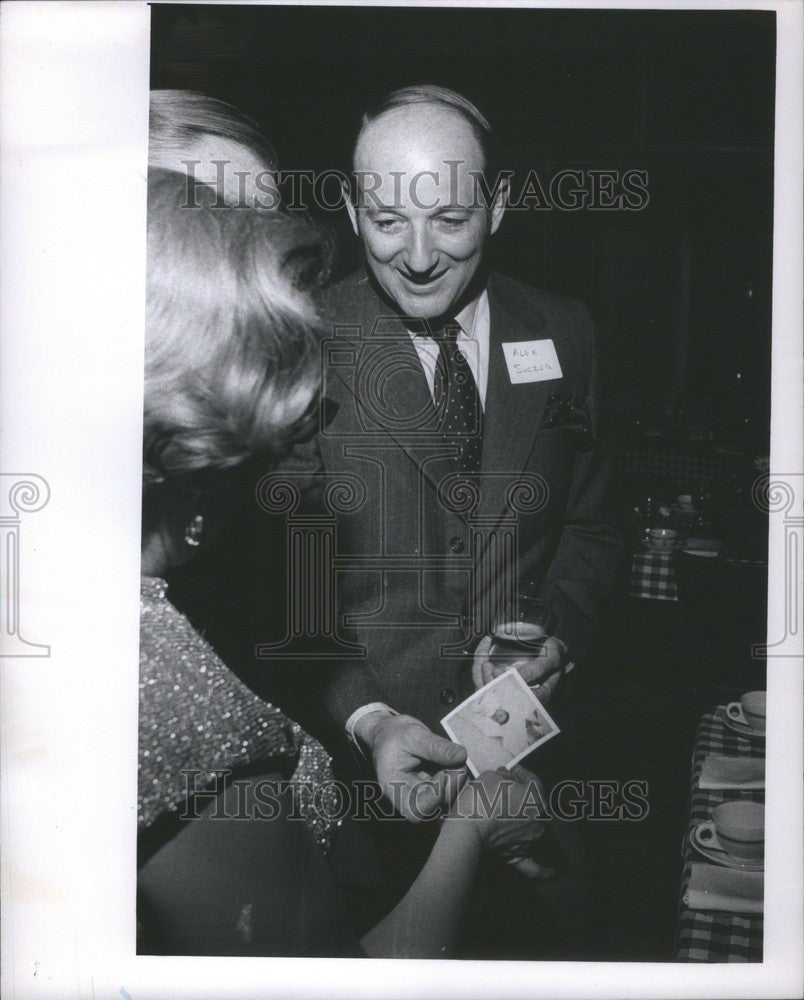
{"x":737,"y":829}
{"x":749,"y":710}
{"x":662,"y":538}
{"x":525,"y":636}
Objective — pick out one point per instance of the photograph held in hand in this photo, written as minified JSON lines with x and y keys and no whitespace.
{"x":500,"y":724}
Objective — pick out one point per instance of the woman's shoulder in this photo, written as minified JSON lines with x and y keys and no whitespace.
{"x":195,"y":714}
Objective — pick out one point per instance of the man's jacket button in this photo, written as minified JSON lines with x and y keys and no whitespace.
{"x":447,"y":696}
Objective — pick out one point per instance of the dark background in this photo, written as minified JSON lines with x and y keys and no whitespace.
{"x":681,"y":290}
{"x":680,"y":293}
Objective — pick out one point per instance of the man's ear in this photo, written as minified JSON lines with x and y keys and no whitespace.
{"x":498,"y":205}
{"x":350,"y":208}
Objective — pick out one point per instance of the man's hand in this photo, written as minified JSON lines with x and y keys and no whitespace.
{"x":542,"y":671}
{"x":419,"y":772}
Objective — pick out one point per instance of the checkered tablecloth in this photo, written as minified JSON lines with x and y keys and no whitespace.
{"x":653,"y":575}
{"x":716,"y":937}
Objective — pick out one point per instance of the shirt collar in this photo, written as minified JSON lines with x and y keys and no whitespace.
{"x":467,"y":317}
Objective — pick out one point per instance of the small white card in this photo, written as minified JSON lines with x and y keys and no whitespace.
{"x":532,"y":361}
{"x":500,"y":723}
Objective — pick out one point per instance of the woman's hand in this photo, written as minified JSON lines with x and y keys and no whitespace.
{"x":501,"y":811}
{"x":506,"y":810}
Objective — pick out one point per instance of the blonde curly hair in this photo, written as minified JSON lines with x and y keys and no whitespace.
{"x":232,"y":330}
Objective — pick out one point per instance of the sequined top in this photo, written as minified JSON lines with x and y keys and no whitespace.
{"x":194,"y":714}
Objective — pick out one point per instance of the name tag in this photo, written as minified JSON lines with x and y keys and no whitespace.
{"x":532,"y":361}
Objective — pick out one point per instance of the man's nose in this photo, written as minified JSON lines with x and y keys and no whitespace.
{"x":420,"y":253}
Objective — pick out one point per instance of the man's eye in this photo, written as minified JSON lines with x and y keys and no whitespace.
{"x":452,"y":221}
{"x":386,"y":225}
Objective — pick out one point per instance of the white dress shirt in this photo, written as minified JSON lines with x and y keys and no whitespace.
{"x":473,"y":340}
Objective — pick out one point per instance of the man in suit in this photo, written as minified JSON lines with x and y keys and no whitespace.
{"x":461,"y":464}
{"x":464,"y":405}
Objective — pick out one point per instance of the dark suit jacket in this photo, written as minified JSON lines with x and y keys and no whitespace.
{"x":422,"y":575}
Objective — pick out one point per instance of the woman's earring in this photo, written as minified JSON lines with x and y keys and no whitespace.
{"x":194,"y":530}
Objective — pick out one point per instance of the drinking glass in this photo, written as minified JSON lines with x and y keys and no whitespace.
{"x":525,"y":636}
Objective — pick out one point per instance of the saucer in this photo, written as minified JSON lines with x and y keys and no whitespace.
{"x":646,"y":545}
{"x":721,"y":857}
{"x":742,"y":730}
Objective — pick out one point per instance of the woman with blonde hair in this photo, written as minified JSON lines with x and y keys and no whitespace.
{"x":212,"y":142}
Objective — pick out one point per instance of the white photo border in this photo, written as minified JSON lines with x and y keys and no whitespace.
{"x":539,"y":707}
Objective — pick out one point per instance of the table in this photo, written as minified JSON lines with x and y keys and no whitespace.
{"x":653,"y":575}
{"x":716,"y":937}
{"x":675,"y":575}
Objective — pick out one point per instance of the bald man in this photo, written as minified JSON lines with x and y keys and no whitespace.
{"x":466,"y":407}
{"x":464,"y":417}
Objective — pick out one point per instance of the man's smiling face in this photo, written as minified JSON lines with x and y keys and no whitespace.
{"x":420,"y":216}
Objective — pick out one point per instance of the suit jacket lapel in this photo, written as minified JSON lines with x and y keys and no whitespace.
{"x":387,"y":390}
{"x":513,"y":413}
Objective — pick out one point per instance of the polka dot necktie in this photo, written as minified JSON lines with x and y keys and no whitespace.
{"x":457,"y":401}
